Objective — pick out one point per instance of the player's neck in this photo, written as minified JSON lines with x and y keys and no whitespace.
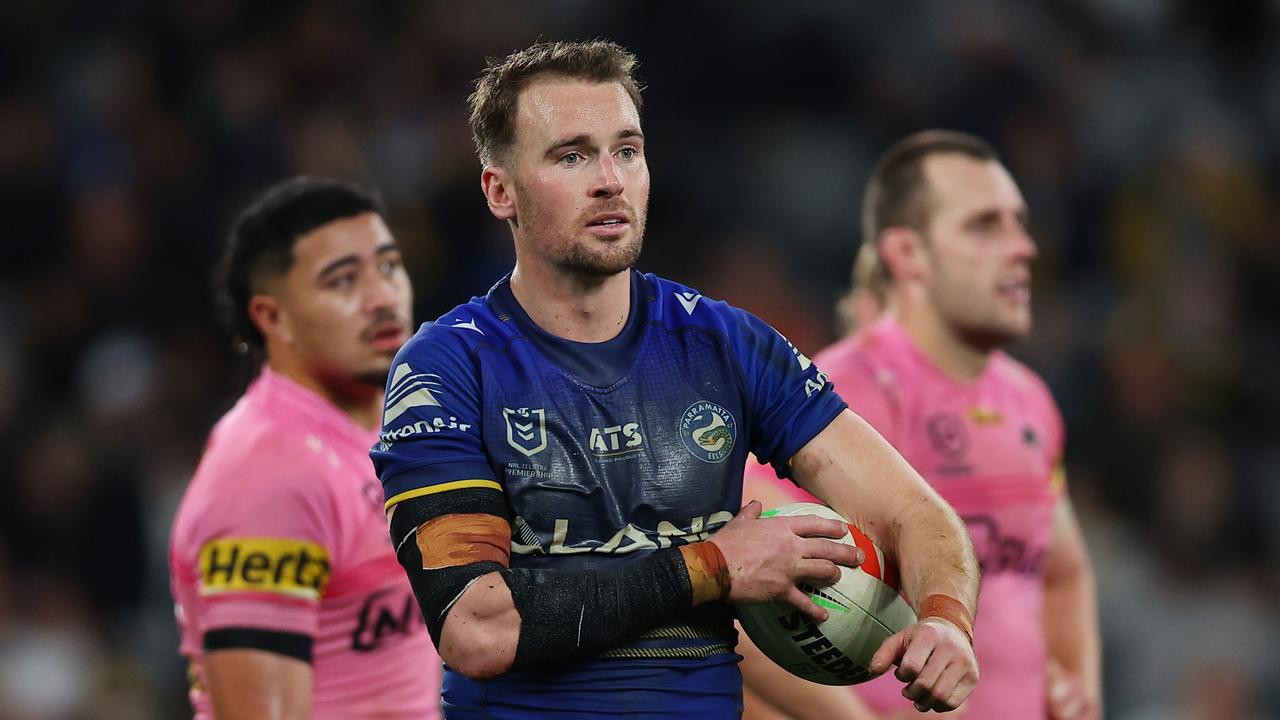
{"x":954,"y":357}
{"x":573,"y":307}
{"x":359,"y":401}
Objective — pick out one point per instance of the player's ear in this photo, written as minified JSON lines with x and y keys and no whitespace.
{"x":496,"y":183}
{"x":903,"y":251}
{"x":270,"y":319}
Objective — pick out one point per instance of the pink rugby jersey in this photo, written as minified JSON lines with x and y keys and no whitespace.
{"x":992,"y":449}
{"x":282,"y":529}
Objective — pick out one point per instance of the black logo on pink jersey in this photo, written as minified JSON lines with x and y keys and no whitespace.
{"x":999,"y":553}
{"x":948,"y":435}
{"x":385,"y":614}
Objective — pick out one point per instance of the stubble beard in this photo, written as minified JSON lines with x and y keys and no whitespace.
{"x":616,"y":257}
{"x":988,"y":334}
{"x":983,"y":330}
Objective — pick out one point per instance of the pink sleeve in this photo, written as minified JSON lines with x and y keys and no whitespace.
{"x":267,"y":547}
{"x":868,"y":397}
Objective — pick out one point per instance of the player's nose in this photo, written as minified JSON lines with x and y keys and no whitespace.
{"x":382,"y":292}
{"x":608,"y":181}
{"x":1024,"y":246}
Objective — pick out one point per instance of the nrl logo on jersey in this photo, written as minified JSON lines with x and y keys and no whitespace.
{"x":526,"y":429}
{"x":708,"y":431}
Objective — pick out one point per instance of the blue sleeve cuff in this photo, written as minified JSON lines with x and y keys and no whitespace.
{"x":795,"y":442}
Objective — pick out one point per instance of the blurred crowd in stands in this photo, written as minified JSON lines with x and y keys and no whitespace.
{"x":1144,"y":135}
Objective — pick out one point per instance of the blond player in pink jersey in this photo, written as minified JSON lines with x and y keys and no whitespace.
{"x":950,"y":257}
{"x":290,"y":601}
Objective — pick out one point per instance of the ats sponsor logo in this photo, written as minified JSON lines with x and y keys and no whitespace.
{"x":708,"y":431}
{"x":616,"y":440}
{"x":284,"y":566}
{"x":385,"y":615}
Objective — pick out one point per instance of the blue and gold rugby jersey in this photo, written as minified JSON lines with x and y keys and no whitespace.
{"x":605,"y":452}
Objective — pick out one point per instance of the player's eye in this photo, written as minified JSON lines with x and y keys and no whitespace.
{"x":389,"y":266}
{"x":342,"y":282}
{"x":628,"y":153}
{"x":572,"y":158}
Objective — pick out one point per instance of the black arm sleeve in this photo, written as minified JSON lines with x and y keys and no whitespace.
{"x":564,"y":615}
{"x":567,"y":616}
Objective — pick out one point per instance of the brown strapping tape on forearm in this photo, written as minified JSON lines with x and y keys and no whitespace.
{"x":462,"y":539}
{"x":708,"y":572}
{"x":949,"y":609}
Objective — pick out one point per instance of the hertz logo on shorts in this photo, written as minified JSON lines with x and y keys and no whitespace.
{"x":296,"y":568}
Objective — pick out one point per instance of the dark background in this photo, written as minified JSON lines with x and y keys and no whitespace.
{"x":1143,"y":133}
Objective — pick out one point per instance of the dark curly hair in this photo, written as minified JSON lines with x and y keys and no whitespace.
{"x":260,"y":245}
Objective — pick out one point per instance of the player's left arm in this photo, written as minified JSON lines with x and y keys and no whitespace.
{"x":849,"y":465}
{"x":1071,"y":631}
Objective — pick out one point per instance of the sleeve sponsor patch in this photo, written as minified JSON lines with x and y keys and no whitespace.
{"x":284,"y":566}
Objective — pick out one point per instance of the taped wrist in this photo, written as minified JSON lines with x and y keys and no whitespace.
{"x":708,"y":571}
{"x":949,"y":609}
{"x":566,"y":616}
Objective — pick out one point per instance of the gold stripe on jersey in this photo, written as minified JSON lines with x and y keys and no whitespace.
{"x":284,"y":566}
{"x":442,"y":487}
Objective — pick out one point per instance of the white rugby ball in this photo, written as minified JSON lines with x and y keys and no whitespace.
{"x":864,"y":608}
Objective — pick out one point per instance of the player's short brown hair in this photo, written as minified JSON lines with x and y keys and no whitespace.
{"x":897,"y":194}
{"x":497,"y":89}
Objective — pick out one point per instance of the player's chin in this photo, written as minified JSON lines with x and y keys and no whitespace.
{"x":605,"y":261}
{"x":374,"y":373}
{"x":1018,"y":325}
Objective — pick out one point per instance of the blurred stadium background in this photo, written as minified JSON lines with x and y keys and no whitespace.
{"x":1144,"y":134}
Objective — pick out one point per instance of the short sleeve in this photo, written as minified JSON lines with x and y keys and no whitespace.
{"x":268,"y":555}
{"x":431,"y":423}
{"x":790,"y":399}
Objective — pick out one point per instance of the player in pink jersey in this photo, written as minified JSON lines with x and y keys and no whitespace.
{"x":950,"y":257}
{"x":290,"y":601}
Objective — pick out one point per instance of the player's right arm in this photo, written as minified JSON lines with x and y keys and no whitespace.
{"x":262,"y":550}
{"x":450,"y":525}
{"x":246,"y":684}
